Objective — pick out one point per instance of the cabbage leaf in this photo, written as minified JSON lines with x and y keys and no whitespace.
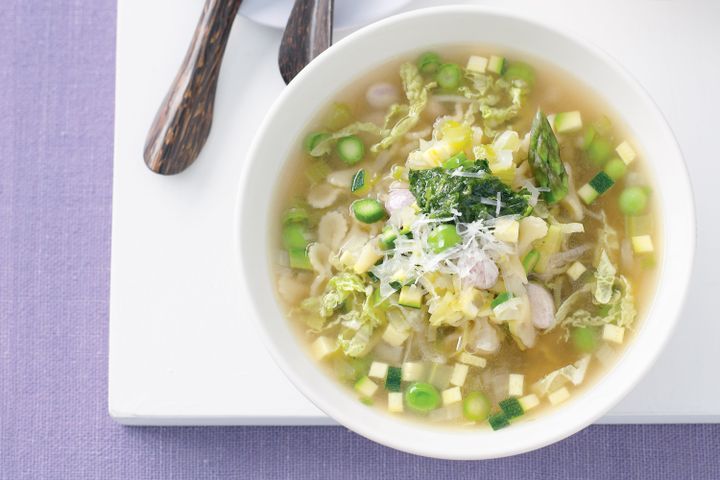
{"x":574,"y":373}
{"x":496,"y":100}
{"x":416,"y":92}
{"x":604,"y":279}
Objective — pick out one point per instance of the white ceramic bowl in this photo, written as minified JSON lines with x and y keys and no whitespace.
{"x":406,"y":34}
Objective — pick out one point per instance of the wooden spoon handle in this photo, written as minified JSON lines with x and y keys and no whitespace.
{"x":307,"y":34}
{"x":182,"y":123}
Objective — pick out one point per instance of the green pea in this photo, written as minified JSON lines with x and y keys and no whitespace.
{"x":422,"y":397}
{"x":443,"y":237}
{"x":585,"y":339}
{"x":633,"y":201}
{"x":476,"y":406}
{"x":615,"y":168}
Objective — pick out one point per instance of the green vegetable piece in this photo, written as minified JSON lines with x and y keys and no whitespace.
{"x":501,"y":298}
{"x":599,"y":151}
{"x":584,"y":339}
{"x":295,"y":215}
{"x":410,"y":296}
{"x":511,"y":408}
{"x":457,"y":160}
{"x":633,"y":201}
{"x":439,"y":193}
{"x":615,"y":168}
{"x":449,"y":76}
{"x":340,"y":115}
{"x":294,"y":236}
{"x":498,"y":421}
{"x":520,"y":71}
{"x":422,"y":397}
{"x":388,"y":237}
{"x":496,"y":65}
{"x":428,"y":62}
{"x":544,"y":159}
{"x":312,"y":140}
{"x":368,"y":210}
{"x":476,"y":406}
{"x":601,"y":182}
{"x":358,"y":181}
{"x":443,"y":237}
{"x":299,"y":258}
{"x":317,"y":170}
{"x":350,"y":149}
{"x":393,"y":379}
{"x":531,"y":259}
{"x":588,"y":137}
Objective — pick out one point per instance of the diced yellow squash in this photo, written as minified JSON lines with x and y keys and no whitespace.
{"x":642,"y":244}
{"x":395,"y":402}
{"x":323,"y":346}
{"x":477,"y":64}
{"x":459,"y":374}
{"x":451,"y":395}
{"x":626,"y":153}
{"x":515,"y":384}
{"x":613,"y":333}
{"x":559,"y":396}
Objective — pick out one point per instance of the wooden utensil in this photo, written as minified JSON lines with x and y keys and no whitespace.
{"x":307,"y":34}
{"x":182,"y":123}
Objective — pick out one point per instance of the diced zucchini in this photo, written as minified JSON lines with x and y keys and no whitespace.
{"x":511,"y":408}
{"x":451,"y":395}
{"x":459,"y":374}
{"x":507,"y":230}
{"x":575,"y":270}
{"x":567,"y":122}
{"x":641,"y":244}
{"x":626,"y":152}
{"x":366,"y":387}
{"x":498,"y":421}
{"x":496,"y":64}
{"x":299,"y":259}
{"x":477,"y":64}
{"x":598,"y":185}
{"x":393,"y":379}
{"x":378,"y":370}
{"x":410,"y":296}
{"x":601,"y":182}
{"x":395,"y":402}
{"x":394,"y":336}
{"x":528,"y":402}
{"x":323,"y":346}
{"x":559,"y":396}
{"x":587,"y":193}
{"x":473,"y":360}
{"x":515,"y":384}
{"x":613,"y":333}
{"x":413,"y":371}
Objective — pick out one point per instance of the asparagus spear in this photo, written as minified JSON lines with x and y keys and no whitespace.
{"x":544,"y":158}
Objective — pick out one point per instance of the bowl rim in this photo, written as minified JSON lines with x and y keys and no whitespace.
{"x":622,"y":384}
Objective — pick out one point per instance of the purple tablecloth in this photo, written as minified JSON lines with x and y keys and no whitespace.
{"x":56,"y":127}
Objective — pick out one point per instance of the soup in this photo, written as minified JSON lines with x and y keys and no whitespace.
{"x":469,"y":242}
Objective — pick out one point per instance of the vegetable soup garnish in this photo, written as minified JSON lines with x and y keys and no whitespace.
{"x":470,"y":242}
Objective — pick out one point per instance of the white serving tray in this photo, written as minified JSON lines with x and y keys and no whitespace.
{"x":182,"y":346}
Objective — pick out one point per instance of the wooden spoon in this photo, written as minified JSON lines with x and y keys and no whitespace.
{"x":182,"y":123}
{"x":307,"y":34}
